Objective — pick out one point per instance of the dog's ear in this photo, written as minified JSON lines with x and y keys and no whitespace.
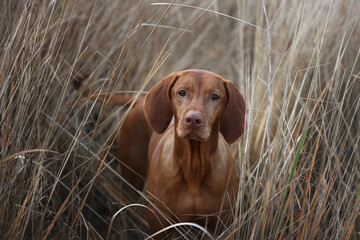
{"x":232,"y":122}
{"x":157,"y":105}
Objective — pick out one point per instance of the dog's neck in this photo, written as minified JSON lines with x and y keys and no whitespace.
{"x":194,"y":157}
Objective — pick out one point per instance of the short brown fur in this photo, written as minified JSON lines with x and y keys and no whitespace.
{"x":181,"y":144}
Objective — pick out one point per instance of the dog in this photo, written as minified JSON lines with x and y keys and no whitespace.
{"x":178,"y":135}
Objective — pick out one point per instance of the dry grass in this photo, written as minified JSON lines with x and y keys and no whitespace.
{"x":298,"y":161}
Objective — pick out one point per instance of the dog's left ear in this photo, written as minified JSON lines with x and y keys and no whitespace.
{"x":232,"y":122}
{"x":157,"y":104}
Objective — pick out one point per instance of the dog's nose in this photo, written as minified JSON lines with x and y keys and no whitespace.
{"x":194,"y":119}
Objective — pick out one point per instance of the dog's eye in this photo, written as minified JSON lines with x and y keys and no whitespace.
{"x":215,"y":97}
{"x":182,"y":93}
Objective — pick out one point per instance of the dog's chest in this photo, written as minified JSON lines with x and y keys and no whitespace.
{"x":196,"y":206}
{"x":185,"y":199}
{"x":191,"y":194}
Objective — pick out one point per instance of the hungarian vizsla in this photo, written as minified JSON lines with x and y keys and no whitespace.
{"x":178,"y":136}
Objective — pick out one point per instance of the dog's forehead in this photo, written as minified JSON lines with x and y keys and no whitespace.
{"x":200,"y":79}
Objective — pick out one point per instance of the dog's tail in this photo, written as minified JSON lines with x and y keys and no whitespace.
{"x":101,"y":97}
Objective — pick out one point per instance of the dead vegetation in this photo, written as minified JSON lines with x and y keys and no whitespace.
{"x":296,"y":63}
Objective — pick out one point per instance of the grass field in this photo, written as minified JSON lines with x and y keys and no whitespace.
{"x":296,"y":63}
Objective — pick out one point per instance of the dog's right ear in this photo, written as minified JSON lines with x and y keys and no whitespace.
{"x":157,"y":104}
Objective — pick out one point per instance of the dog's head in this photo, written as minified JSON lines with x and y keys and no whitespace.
{"x":200,"y":101}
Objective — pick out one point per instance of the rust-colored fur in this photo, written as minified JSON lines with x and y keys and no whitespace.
{"x":179,"y":135}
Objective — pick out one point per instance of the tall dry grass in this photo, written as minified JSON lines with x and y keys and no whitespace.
{"x":296,"y":63}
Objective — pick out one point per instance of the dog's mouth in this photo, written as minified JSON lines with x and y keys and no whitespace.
{"x":197,"y":134}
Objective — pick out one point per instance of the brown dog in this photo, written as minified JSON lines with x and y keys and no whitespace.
{"x":178,"y":134}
